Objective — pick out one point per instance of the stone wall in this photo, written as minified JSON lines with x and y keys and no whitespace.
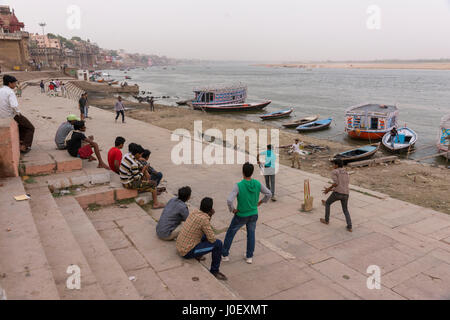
{"x":13,"y":53}
{"x":9,"y":148}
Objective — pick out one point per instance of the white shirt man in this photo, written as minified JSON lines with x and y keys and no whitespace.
{"x":9,"y":106}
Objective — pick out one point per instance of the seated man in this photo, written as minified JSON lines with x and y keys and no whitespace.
{"x":78,"y":145}
{"x":134,"y":176}
{"x":175,"y":212}
{"x":154,"y":175}
{"x":197,"y":238}
{"x":64,"y":130}
{"x":115,"y":155}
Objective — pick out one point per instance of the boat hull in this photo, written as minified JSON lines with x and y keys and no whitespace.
{"x":443,"y":149}
{"x":401,"y":147}
{"x":311,"y":127}
{"x":355,"y":158}
{"x":366,"y":135}
{"x":233,"y":107}
{"x":277,"y":116}
{"x":300,"y":122}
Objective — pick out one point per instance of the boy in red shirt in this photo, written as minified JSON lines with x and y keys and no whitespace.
{"x":115,"y":155}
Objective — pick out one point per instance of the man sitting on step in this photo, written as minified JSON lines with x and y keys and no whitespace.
{"x":135,"y":176}
{"x":197,"y":238}
{"x":80,"y":146}
{"x":64,"y":130}
{"x":174,"y":214}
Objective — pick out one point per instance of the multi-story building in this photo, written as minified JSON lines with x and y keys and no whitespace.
{"x":13,"y":41}
{"x":43,"y":41}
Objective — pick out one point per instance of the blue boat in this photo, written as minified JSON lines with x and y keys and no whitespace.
{"x":316,"y":125}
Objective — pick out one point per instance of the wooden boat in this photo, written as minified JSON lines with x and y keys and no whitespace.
{"x":183,"y":103}
{"x":128,"y":77}
{"x":278,"y":114}
{"x":406,"y":139}
{"x":224,"y":98}
{"x":444,"y":137}
{"x":371,"y":121}
{"x":315,"y":126}
{"x":233,"y":107}
{"x":300,"y":122}
{"x":358,"y":154}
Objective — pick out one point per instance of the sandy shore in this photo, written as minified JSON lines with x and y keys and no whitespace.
{"x":421,"y":184}
{"x":412,"y":66}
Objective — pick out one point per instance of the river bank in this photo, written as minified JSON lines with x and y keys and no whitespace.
{"x":422,"y":184}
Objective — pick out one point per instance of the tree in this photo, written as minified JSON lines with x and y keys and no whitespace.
{"x":76,"y":39}
{"x":51,"y":36}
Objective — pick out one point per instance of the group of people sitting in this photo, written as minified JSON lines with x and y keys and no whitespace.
{"x":54,"y":87}
{"x":134,"y":169}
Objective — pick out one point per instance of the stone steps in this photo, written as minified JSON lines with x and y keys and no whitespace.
{"x":46,"y":161}
{"x":61,"y":248}
{"x":132,"y":232}
{"x":103,"y":196}
{"x":25,"y":273}
{"x":110,"y":275}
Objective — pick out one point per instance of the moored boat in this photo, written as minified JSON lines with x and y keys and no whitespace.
{"x":444,"y":137}
{"x":371,"y":121}
{"x":405,"y":140}
{"x":315,"y":126}
{"x":277,"y":114}
{"x":300,"y":122}
{"x":357,"y":154}
{"x":183,"y":103}
{"x":224,"y":98}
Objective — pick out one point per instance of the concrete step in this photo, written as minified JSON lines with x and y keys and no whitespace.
{"x":112,"y":278}
{"x":61,"y":248}
{"x":44,"y":159}
{"x":25,"y":273}
{"x":131,"y":232}
{"x":103,"y":196}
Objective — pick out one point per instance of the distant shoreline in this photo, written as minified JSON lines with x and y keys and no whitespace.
{"x":359,"y":65}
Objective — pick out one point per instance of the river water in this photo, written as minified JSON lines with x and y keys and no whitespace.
{"x":423,"y":96}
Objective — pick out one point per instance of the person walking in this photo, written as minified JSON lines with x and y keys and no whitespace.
{"x":341,"y":192}
{"x":152,"y":104}
{"x":296,"y":152}
{"x":120,"y":109}
{"x":247,"y":192}
{"x":9,"y":108}
{"x":82,"y":105}
{"x":42,"y":86}
{"x":269,"y":169}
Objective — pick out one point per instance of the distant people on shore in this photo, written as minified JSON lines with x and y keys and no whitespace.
{"x":269,"y":169}
{"x":247,"y":192}
{"x":19,"y":90}
{"x":9,"y":108}
{"x":80,"y":146}
{"x":64,"y":130}
{"x":152,"y":104}
{"x":297,"y":152}
{"x":120,"y":109}
{"x":42,"y":86}
{"x":341,"y":191}
{"x":115,"y":155}
{"x":175,"y":213}
{"x":198,"y":239}
{"x":134,"y":176}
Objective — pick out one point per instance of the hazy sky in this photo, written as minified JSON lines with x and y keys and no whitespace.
{"x":266,"y":30}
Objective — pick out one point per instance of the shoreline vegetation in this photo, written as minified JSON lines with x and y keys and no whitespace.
{"x":421,"y":184}
{"x":400,"y":65}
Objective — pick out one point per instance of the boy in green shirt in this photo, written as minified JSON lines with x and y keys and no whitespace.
{"x":247,"y":193}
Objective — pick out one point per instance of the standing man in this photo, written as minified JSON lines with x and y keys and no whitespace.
{"x":341,"y":191}
{"x":296,"y":152}
{"x":9,"y":108}
{"x":120,"y":109}
{"x":64,"y":130}
{"x":152,"y":104}
{"x":247,"y":193}
{"x":42,"y":86}
{"x":394,"y":136}
{"x":197,"y":238}
{"x":269,"y":169}
{"x":82,"y":104}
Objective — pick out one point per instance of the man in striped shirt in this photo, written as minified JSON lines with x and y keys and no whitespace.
{"x":134,"y":176}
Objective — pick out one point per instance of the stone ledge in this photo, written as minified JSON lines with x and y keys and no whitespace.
{"x":9,"y":148}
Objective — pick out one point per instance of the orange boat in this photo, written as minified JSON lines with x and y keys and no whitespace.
{"x":371,"y":121}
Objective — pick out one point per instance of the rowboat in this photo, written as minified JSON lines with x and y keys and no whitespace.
{"x":300,"y":122}
{"x":183,"y":103}
{"x":406,"y":139}
{"x":277,"y":114}
{"x":315,"y":126}
{"x":128,"y":77}
{"x":233,"y":107}
{"x":358,"y":154}
{"x":371,"y":121}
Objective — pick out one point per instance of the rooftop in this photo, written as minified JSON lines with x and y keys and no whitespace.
{"x":373,"y":108}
